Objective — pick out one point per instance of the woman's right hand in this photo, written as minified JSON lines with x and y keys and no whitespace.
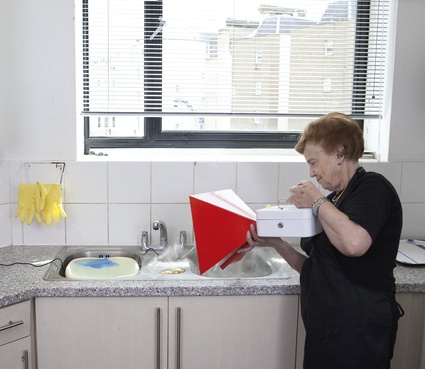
{"x":253,"y":240}
{"x":292,"y":257}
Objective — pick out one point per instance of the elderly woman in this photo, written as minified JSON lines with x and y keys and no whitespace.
{"x":347,"y":284}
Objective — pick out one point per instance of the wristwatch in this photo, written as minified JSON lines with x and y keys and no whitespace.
{"x":316,"y":205}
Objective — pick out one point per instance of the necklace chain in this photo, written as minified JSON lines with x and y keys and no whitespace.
{"x":337,"y":196}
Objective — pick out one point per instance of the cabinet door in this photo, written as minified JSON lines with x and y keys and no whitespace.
{"x":13,"y":355}
{"x":15,"y":322}
{"x":409,"y":345}
{"x":102,"y":332}
{"x":300,"y":342}
{"x":233,"y":332}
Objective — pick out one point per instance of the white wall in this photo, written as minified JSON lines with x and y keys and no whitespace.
{"x":37,"y":70}
{"x":3,"y":91}
{"x":407,"y":119}
{"x":112,"y":202}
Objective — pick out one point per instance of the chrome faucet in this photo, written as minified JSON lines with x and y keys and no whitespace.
{"x":145,"y":241}
{"x":163,"y":238}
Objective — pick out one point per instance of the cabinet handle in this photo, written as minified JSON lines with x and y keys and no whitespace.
{"x":11,"y":325}
{"x":25,"y":359}
{"x":178,"y":328}
{"x":158,"y":338}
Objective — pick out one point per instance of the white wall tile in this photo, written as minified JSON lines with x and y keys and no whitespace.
{"x":129,"y":182}
{"x":87,"y":224}
{"x":126,"y":223}
{"x":41,"y":234}
{"x":214,"y":177}
{"x":44,"y":172}
{"x":177,"y":217}
{"x":15,"y":179}
{"x":413,"y":182}
{"x":4,"y":183}
{"x":413,"y":221}
{"x":5,"y":225}
{"x":257,"y":182}
{"x":172,"y":182}
{"x":85,"y":183}
{"x":292,"y":173}
{"x":17,"y":228}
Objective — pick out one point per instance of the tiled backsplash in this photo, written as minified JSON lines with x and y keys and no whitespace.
{"x":113,"y":202}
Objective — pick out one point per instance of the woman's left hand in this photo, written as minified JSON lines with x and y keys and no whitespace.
{"x":303,"y":194}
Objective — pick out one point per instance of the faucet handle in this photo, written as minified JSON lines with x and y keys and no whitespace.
{"x":145,"y":237}
{"x":183,"y":238}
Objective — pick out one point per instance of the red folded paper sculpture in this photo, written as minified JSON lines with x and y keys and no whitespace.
{"x":220,"y":221}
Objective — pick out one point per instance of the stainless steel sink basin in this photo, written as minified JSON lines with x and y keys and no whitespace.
{"x":175,"y":264}
{"x":251,"y":266}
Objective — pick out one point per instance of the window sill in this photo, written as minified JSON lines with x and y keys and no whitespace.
{"x":205,"y":155}
{"x":198,"y":155}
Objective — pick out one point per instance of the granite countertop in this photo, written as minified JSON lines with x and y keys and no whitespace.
{"x":22,"y":282}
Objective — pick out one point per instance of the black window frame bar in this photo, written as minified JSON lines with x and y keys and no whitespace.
{"x":154,"y":137}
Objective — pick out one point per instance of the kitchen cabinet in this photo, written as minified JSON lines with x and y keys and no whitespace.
{"x":102,"y":332}
{"x":300,"y":341}
{"x":409,"y":350}
{"x":233,"y":332}
{"x":216,"y":332}
{"x":15,"y":336}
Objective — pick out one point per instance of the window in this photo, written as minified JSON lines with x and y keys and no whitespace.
{"x":232,"y":73}
{"x":258,"y":88}
{"x":329,"y":47}
{"x":258,"y":56}
{"x":327,"y":84}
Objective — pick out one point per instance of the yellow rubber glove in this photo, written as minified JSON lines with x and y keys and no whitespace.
{"x":53,"y":205}
{"x":31,"y":198}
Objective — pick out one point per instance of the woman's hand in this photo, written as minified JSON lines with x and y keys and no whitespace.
{"x":293,"y":257}
{"x":303,"y":194}
{"x":253,"y":240}
{"x":348,"y":237}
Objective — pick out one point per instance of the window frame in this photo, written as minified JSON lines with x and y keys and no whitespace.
{"x":155,"y":137}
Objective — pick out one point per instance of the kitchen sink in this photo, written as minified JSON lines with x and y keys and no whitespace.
{"x":258,"y":263}
{"x":67,"y":255}
{"x":175,"y":263}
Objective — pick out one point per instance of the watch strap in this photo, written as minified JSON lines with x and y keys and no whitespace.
{"x":316,"y":204}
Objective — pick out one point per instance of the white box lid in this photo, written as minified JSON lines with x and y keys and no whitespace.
{"x":284,"y":212}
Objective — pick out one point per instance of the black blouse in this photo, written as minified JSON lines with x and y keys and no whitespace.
{"x":371,"y":201}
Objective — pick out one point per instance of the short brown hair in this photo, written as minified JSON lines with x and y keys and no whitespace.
{"x":333,"y":130}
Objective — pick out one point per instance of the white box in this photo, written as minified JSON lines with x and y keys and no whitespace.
{"x":287,"y":221}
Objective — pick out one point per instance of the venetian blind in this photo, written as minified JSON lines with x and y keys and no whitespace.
{"x":233,"y":57}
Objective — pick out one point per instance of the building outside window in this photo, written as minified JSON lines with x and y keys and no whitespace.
{"x":184,"y":74}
